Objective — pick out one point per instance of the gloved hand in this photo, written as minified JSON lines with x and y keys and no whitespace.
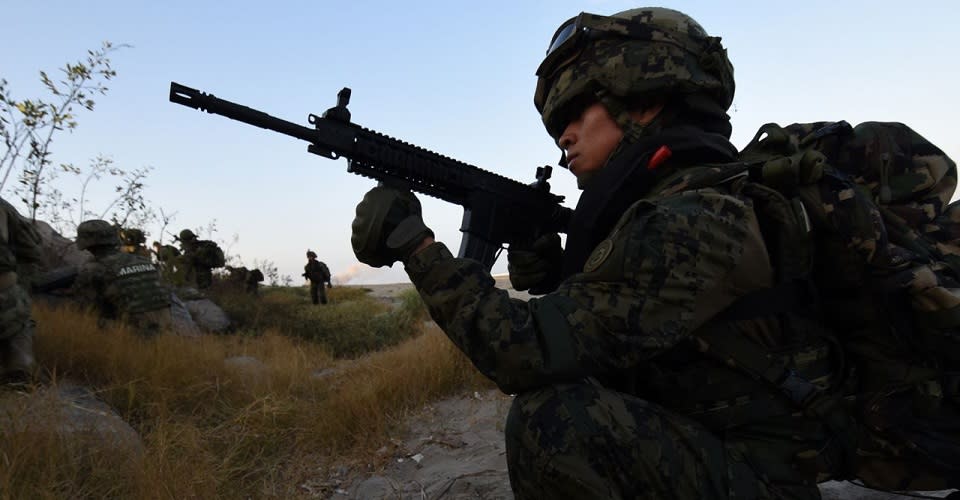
{"x":388,"y":226}
{"x":536,"y":268}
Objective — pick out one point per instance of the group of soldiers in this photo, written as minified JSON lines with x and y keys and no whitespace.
{"x":124,"y":280}
{"x":191,"y":264}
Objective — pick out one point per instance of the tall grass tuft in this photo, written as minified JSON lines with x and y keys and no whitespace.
{"x":224,"y":416}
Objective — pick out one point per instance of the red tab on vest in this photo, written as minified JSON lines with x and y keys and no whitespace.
{"x":659,"y":157}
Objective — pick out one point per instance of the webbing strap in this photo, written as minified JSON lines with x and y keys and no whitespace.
{"x":733,"y":349}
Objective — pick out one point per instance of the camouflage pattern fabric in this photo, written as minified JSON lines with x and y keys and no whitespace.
{"x":627,"y":322}
{"x":19,"y":245}
{"x":19,"y":240}
{"x":124,"y":286}
{"x":568,"y":440}
{"x":14,"y":311}
{"x":878,"y":196}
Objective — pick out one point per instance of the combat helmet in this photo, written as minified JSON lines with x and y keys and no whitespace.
{"x":187,"y":235}
{"x":311,"y":254}
{"x":96,"y":232}
{"x":629,"y":57}
{"x":133,"y":236}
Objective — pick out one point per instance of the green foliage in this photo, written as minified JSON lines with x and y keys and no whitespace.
{"x":351,"y":324}
{"x":28,"y":127}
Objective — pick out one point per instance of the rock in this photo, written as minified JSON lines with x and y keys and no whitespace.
{"x":59,"y":251}
{"x":181,"y":318}
{"x":845,"y":490}
{"x":376,"y":487}
{"x":70,"y":411}
{"x":207,"y":315}
{"x":247,"y":366}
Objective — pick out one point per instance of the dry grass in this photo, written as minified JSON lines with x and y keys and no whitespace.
{"x":214,"y":429}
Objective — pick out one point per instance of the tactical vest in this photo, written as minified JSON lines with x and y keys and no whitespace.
{"x":317,"y":272}
{"x":133,"y":284}
{"x":704,"y":378}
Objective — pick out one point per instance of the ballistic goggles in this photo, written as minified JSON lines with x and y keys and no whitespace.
{"x":572,"y":36}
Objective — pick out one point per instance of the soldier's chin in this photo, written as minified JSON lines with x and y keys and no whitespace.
{"x":583,"y":179}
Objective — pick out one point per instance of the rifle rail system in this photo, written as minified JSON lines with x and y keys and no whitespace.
{"x":496,"y":210}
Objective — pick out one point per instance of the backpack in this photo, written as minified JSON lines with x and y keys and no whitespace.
{"x":209,"y":254}
{"x":324,"y":272}
{"x":858,"y":221}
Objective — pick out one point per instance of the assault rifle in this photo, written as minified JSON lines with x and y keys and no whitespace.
{"x":496,"y":210}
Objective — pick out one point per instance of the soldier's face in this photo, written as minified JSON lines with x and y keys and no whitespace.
{"x":589,"y":140}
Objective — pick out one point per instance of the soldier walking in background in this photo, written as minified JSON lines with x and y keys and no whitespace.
{"x":199,"y":259}
{"x":120,"y":285}
{"x":318,"y":274}
{"x":19,"y":245}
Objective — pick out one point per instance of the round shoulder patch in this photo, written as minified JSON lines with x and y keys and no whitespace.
{"x":598,"y":255}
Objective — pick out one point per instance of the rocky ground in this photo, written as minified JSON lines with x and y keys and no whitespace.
{"x":454,"y":449}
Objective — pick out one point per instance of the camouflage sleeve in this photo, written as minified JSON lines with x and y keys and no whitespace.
{"x":667,"y":267}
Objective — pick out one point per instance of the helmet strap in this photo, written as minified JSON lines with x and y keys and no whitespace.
{"x":632,"y":131}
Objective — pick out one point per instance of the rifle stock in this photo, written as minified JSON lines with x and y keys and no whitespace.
{"x":496,"y":210}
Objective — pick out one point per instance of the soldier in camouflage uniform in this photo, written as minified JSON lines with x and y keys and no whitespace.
{"x":318,"y":274}
{"x":167,"y":257}
{"x":616,"y":394}
{"x":122,"y":286}
{"x":134,"y":241}
{"x":196,"y":269}
{"x":19,"y":245}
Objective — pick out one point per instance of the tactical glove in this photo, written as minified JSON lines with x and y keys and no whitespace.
{"x":536,"y":267}
{"x":388,"y":226}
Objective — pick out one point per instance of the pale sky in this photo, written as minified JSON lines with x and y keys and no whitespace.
{"x":454,"y":77}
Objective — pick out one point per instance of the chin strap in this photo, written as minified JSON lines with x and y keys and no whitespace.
{"x":632,"y":131}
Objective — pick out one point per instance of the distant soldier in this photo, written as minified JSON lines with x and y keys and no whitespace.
{"x":245,"y":279}
{"x":122,"y":286}
{"x":318,"y":274}
{"x":19,"y":244}
{"x":199,"y":258}
{"x":134,"y":241}
{"x":237,"y":275}
{"x":167,"y":257}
